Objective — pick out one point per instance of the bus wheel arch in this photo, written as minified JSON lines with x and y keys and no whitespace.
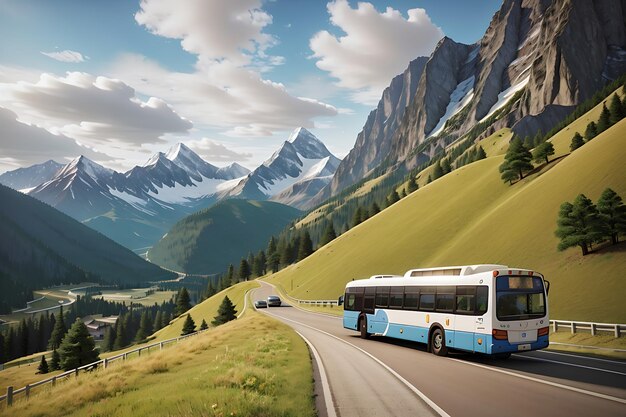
{"x":362,"y":326}
{"x":437,"y":340}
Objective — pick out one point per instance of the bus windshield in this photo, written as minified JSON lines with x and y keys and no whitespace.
{"x":519,"y":298}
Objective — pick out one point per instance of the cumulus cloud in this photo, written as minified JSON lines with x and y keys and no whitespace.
{"x":217,"y":152}
{"x":25,"y":144}
{"x":93,"y":109}
{"x":376,"y":46}
{"x":66,"y":56}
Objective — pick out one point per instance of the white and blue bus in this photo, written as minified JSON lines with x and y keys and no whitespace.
{"x":490,"y":309}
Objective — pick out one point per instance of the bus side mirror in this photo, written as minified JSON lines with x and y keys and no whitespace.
{"x":340,"y":300}
{"x":547,"y":286}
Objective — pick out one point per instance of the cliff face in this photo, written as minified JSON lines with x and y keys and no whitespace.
{"x":537,"y":60}
{"x":374,"y":141}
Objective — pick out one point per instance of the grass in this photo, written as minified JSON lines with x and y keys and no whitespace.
{"x":497,"y":143}
{"x":470,"y":216}
{"x":207,"y":310}
{"x":253,"y":366}
{"x":588,"y":342}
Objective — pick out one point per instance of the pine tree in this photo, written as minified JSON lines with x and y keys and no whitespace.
{"x":411,"y":186}
{"x":183,"y":302}
{"x":577,"y":142}
{"x":615,"y":108}
{"x":43,"y":366}
{"x":203,"y":325}
{"x":356,"y":218}
{"x":329,"y":234}
{"x":260,"y":263}
{"x":225,"y":313}
{"x":403,"y":193}
{"x":539,"y":139}
{"x":437,"y":171}
{"x":230,"y":275}
{"x":374,"y":209}
{"x":591,"y":131}
{"x":58,"y":333}
{"x":481,"y":154}
{"x":578,"y":224}
{"x":543,"y":151}
{"x":517,"y":160}
{"x":244,"y":270}
{"x":271,"y":247}
{"x":158,"y":319}
{"x":393,"y":198}
{"x":274,"y":262}
{"x":55,"y":362}
{"x":120,"y":341}
{"x":306,"y":246}
{"x":189,"y":326}
{"x":529,"y":142}
{"x":445,"y":166}
{"x":78,"y":347}
{"x":612,"y":214}
{"x":109,"y":339}
{"x":605,"y":119}
{"x":145,"y":327}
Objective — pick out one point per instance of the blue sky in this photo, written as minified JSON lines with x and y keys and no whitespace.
{"x":229,"y":78}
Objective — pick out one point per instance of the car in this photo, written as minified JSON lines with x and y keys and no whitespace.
{"x":260,"y":304}
{"x":273,"y":301}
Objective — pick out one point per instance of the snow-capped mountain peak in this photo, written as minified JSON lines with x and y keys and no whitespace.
{"x":307,"y":144}
{"x":24,"y":179}
{"x":82,"y":164}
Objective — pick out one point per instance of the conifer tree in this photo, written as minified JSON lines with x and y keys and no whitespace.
{"x":480,"y":154}
{"x":271,"y":247}
{"x":306,"y":246}
{"x":230,"y":275}
{"x":615,"y":108}
{"x":55,"y":361}
{"x":374,"y":209}
{"x":543,"y":151}
{"x":260,"y":263}
{"x":411,"y":186}
{"x":437,"y":171}
{"x":58,"y":333}
{"x":605,"y":119}
{"x":189,"y":326}
{"x":591,"y":131}
{"x":403,"y":193}
{"x":393,"y":198}
{"x":529,"y":142}
{"x":329,"y":234}
{"x":578,"y":224}
{"x":120,"y":340}
{"x":244,"y":270}
{"x":538,"y":140}
{"x":203,"y":325}
{"x":145,"y":327}
{"x":43,"y":366}
{"x":225,"y":313}
{"x":445,"y":166}
{"x":109,"y":339}
{"x":78,"y":347}
{"x":577,"y":142}
{"x":612,"y":214}
{"x":357,"y":217}
{"x":274,"y":262}
{"x":158,"y":319}
{"x":183,"y":302}
{"x":516,"y":160}
{"x":429,"y":180}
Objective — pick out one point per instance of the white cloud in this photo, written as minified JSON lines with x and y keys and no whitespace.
{"x":376,"y":46}
{"x":66,"y":56}
{"x":95,"y":110}
{"x":217,"y":152}
{"x":26,"y":144}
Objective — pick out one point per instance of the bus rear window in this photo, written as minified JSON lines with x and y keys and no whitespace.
{"x":519,"y":298}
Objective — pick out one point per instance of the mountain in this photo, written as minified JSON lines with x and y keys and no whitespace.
{"x":40,"y":246}
{"x":137,"y":207}
{"x":26,"y":178}
{"x":301,"y":165}
{"x":207,"y":241}
{"x":537,"y":60}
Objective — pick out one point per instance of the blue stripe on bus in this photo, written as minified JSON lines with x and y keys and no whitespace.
{"x":351,"y":319}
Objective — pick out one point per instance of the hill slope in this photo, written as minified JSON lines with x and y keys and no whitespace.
{"x":40,"y":246}
{"x":470,"y":216}
{"x":207,"y":241}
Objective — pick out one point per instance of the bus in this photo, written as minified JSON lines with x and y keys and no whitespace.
{"x":488,"y":309}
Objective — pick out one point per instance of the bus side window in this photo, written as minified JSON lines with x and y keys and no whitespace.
{"x":349,"y":302}
{"x":358,"y":300}
{"x":395,"y":297}
{"x":368,"y":299}
{"x":382,"y":297}
{"x":411,"y":296}
{"x":465,"y":299}
{"x":482,"y":297}
{"x":427,"y":299}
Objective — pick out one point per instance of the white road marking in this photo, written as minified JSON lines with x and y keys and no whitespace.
{"x":572,"y":364}
{"x":583,"y":357}
{"x":420,"y":394}
{"x":328,"y":400}
{"x":541,"y":381}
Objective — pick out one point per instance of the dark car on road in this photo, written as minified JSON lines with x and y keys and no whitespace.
{"x":260,"y":304}
{"x":273,"y":301}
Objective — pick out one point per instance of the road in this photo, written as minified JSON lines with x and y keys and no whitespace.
{"x":386,"y":377}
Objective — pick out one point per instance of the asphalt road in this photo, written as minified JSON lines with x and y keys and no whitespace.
{"x":387,"y":377}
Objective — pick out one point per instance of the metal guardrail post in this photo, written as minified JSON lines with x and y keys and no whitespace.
{"x":27,"y":390}
{"x":161,"y":346}
{"x":573,"y":327}
{"x":105,"y":363}
{"x":555,"y":326}
{"x":54,"y":381}
{"x":593,"y":329}
{"x":617,"y":330}
{"x":9,"y":396}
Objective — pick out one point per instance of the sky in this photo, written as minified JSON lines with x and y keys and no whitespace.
{"x":119,"y":80}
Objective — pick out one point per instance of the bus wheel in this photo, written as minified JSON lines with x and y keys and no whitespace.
{"x":438,"y":342}
{"x":363,"y":328}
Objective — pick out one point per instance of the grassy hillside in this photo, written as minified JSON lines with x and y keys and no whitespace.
{"x":253,"y":366}
{"x":207,"y":309}
{"x":40,"y":246}
{"x":207,"y":241}
{"x":470,"y":216}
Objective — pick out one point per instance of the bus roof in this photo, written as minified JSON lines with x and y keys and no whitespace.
{"x":454,"y":270}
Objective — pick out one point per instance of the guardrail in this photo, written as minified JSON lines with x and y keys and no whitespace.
{"x":104,"y":363}
{"x":323,"y":303}
{"x":593,"y":328}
